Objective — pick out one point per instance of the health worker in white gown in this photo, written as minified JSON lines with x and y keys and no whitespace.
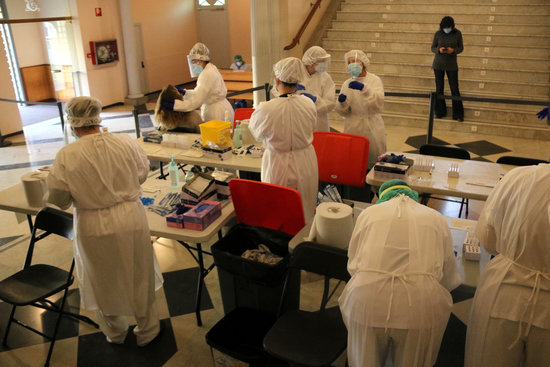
{"x":402,"y":268}
{"x":285,"y":125}
{"x":510,"y":318}
{"x":100,"y":175}
{"x":360,"y":103}
{"x":209,"y":94}
{"x":319,"y":84}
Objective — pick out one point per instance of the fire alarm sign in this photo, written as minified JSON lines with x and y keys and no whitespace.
{"x":97,"y":12}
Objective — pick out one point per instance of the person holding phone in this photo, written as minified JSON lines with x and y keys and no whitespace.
{"x":446,"y":45}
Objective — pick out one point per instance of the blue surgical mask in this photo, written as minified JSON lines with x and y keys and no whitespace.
{"x":355,"y":69}
{"x":196,"y":69}
{"x":239,"y":63}
{"x":321,"y":67}
{"x":73,"y":134}
{"x":447,"y":30}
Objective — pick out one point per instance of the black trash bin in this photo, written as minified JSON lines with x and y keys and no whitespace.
{"x":252,"y":284}
{"x":251,"y":293}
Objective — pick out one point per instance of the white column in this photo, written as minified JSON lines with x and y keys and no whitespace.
{"x":130,"y":52}
{"x":265,"y":42}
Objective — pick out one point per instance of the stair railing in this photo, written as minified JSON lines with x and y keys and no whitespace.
{"x":296,"y":39}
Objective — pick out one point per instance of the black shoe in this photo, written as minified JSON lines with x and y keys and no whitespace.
{"x":459,"y":119}
{"x":440,"y":116}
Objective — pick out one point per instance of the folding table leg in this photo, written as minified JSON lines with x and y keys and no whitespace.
{"x":200,"y":283}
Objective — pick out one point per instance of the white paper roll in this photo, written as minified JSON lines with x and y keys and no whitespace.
{"x":332,"y":225}
{"x":34,"y":184}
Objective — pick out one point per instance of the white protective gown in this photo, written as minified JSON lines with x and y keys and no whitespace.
{"x":402,"y":265}
{"x":321,"y":86}
{"x":100,"y":175}
{"x":209,"y":95}
{"x":285,"y":126}
{"x":515,"y":226}
{"x":362,"y":113}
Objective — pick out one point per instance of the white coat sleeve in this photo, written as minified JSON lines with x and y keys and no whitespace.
{"x":451,"y":278}
{"x":259,"y":126}
{"x":195,"y":98}
{"x":58,"y":190}
{"x":142,"y":163}
{"x":374,"y":96}
{"x":355,"y":243}
{"x":485,"y":231}
{"x":343,"y":108}
{"x":325,"y":102}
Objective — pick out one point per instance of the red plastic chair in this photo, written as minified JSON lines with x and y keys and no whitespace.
{"x":241,"y":114}
{"x":342,"y":158}
{"x":267,"y":205}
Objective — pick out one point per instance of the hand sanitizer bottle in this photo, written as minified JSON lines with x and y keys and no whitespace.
{"x":237,"y":141}
{"x":173,"y":172}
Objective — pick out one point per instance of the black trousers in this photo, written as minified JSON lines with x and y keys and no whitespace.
{"x":440,"y":106}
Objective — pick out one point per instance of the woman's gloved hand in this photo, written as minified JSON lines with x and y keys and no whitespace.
{"x":181,"y":90}
{"x":544,"y":113}
{"x":310,"y":96}
{"x":299,"y":87}
{"x":356,"y":85}
{"x":342,"y":98}
{"x":169,"y":105}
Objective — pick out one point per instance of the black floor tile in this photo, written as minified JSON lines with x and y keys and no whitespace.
{"x":451,"y":353}
{"x":180,"y":289}
{"x":419,"y":140}
{"x":41,"y":320}
{"x":482,"y":147}
{"x":5,"y":240}
{"x":94,"y":350}
{"x":481,"y":159}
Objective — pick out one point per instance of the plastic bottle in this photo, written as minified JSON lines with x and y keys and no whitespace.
{"x":237,"y":138}
{"x":227,"y":116}
{"x":173,"y":172}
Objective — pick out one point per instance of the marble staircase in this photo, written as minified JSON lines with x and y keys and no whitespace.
{"x":506,"y":56}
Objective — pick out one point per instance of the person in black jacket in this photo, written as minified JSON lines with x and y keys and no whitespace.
{"x":446,"y":45}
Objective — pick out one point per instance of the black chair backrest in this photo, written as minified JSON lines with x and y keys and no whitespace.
{"x":320,"y":259}
{"x":55,"y":221}
{"x":444,"y":151}
{"x":519,"y":161}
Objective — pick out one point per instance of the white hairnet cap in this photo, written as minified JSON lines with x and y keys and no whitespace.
{"x":290,"y":70}
{"x":315,"y":54}
{"x":83,"y":111}
{"x":199,"y":52}
{"x":361,"y":56}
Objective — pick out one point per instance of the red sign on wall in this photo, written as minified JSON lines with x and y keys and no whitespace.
{"x":97,"y":12}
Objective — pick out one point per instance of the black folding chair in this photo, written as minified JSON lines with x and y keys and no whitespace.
{"x":305,"y":338}
{"x":32,"y":285}
{"x":447,"y":152}
{"x":519,"y":161}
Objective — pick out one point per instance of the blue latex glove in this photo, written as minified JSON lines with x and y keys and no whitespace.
{"x":310,"y":96}
{"x":181,"y":90}
{"x":356,"y":85}
{"x":169,"y":105}
{"x":299,"y":87}
{"x":342,"y":98}
{"x":544,"y":113}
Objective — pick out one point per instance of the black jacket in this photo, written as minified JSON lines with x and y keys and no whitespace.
{"x":442,"y":39}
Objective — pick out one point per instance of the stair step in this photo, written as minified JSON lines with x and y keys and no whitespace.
{"x":430,"y":27}
{"x":539,"y":51}
{"x":450,"y":8}
{"x":426,"y":58}
{"x":373,"y":16}
{"x":489,"y":39}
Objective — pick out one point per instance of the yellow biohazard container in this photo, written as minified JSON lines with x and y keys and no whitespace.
{"x":216,"y":132}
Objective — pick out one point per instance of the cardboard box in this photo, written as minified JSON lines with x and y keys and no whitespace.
{"x":174,"y":220}
{"x":202,"y":215}
{"x":222,"y":179}
{"x":201,"y":187}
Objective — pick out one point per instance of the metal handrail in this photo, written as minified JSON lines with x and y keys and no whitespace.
{"x":296,"y":39}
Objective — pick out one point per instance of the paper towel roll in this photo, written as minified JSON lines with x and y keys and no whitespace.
{"x":34,"y":184}
{"x":332,"y":225}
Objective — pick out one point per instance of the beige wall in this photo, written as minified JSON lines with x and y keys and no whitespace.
{"x":30,"y":45}
{"x":239,"y":25}
{"x":292,"y":15}
{"x":108,"y":82}
{"x":10,"y":121}
{"x":169,"y":31}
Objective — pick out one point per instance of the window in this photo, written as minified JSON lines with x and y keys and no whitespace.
{"x":211,"y":3}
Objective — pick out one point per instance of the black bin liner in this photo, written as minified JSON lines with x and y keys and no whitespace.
{"x":227,"y":253}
